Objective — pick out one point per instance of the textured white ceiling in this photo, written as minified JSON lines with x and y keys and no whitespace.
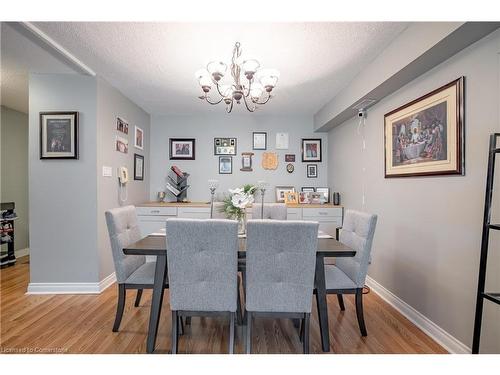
{"x":19,"y":57}
{"x":154,"y":63}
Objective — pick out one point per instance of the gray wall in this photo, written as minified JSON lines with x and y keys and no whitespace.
{"x":426,"y":247}
{"x":110,"y":104}
{"x":14,"y":176}
{"x":63,"y":193}
{"x":206,"y":165}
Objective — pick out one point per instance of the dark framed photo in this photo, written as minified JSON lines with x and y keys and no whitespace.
{"x":307,"y":189}
{"x":426,"y":136}
{"x":311,"y":150}
{"x":121,"y":125}
{"x":246,"y":161}
{"x":326,"y":193}
{"x":225,"y":146}
{"x":225,"y":164}
{"x":58,"y":135}
{"x":312,"y":170}
{"x":290,"y":158}
{"x":138,"y":167}
{"x":259,"y":141}
{"x":182,"y":148}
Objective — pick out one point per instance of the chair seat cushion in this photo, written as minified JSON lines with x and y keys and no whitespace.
{"x":145,"y":274}
{"x":336,"y":279}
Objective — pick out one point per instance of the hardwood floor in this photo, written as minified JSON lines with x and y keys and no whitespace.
{"x":82,"y":324}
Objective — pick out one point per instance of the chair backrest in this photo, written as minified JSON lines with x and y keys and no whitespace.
{"x":357,"y":233}
{"x":123,"y":229}
{"x":202,"y":264}
{"x":281,"y":258}
{"x":273,"y":211}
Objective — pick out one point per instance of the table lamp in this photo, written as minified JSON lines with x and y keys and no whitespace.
{"x":212,"y":185}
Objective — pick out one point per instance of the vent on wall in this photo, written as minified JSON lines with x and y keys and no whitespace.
{"x":364,"y":104}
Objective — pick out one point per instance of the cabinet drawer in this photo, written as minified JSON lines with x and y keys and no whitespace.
{"x":322,"y":212}
{"x":156,"y":211}
{"x":194,"y":212}
{"x":294,"y":214}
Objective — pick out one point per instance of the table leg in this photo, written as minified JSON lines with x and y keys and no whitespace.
{"x":158,"y":289}
{"x":321,"y":302}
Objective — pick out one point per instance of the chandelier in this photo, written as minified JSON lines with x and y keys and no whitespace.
{"x":250,"y":83}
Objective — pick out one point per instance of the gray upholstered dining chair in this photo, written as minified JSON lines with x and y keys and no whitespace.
{"x":348,"y":275}
{"x":202,"y":270}
{"x":132,"y":271}
{"x":273,"y":211}
{"x":281,"y":258}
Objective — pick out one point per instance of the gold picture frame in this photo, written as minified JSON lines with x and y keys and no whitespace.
{"x":426,"y":136}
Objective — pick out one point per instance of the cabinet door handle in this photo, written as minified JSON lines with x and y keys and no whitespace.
{"x":323,"y":213}
{"x":155,"y":211}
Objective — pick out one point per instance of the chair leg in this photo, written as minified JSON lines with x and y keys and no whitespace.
{"x":341,"y":301}
{"x":138,"y":297}
{"x":175,"y":336}
{"x":231,"y":333}
{"x":301,"y":333}
{"x":249,"y":332}
{"x":306,"y":323}
{"x":239,"y":315}
{"x":359,"y":311}
{"x":119,"y":308}
{"x":188,"y":320}
{"x":181,"y":325}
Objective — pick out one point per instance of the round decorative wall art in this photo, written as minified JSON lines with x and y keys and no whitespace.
{"x":290,"y":168}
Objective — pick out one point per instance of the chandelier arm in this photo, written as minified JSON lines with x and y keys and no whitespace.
{"x":213,"y":103}
{"x":246,"y":105}
{"x":218,"y":90}
{"x":265,"y":101}
{"x":229,"y":108}
{"x":249,"y":88}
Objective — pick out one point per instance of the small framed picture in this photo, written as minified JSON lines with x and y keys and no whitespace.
{"x":290,"y":158}
{"x":225,"y":164}
{"x":281,"y":141}
{"x":121,"y":144}
{"x":316,"y":198}
{"x":307,"y":189}
{"x":122,"y":125}
{"x":304,"y":197}
{"x":290,"y":168}
{"x":58,"y":135}
{"x":246,"y":161}
{"x":224,"y":146}
{"x":138,"y":167}
{"x":326,"y":193}
{"x":311,"y":150}
{"x":291,"y":197}
{"x":259,"y":141}
{"x":280,"y":192}
{"x":182,"y":148}
{"x":138,"y":138}
{"x":312,"y":170}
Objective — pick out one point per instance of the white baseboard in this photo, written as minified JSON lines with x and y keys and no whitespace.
{"x":71,"y":288}
{"x":443,"y":338}
{"x":22,"y":252}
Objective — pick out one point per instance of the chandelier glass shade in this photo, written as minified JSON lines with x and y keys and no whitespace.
{"x":249,"y":83}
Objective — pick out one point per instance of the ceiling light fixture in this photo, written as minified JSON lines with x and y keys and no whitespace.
{"x":251,"y":84}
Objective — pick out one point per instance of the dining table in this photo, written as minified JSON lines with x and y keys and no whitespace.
{"x":156,"y":245}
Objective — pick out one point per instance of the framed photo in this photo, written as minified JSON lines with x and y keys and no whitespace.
{"x":138,"y":138}
{"x":121,"y":125}
{"x":316,"y":198}
{"x":311,"y":150}
{"x":138,"y":167}
{"x":290,"y":158}
{"x":304,"y":197}
{"x":280,"y":192}
{"x":281,"y":141}
{"x":326,"y":193}
{"x":307,"y":189}
{"x":426,"y":136}
{"x":58,"y":135}
{"x":291,"y":197}
{"x":121,"y":144}
{"x":312,"y":170}
{"x":224,"y":146}
{"x":259,"y":141}
{"x":246,"y":161}
{"x":225,"y":164}
{"x":182,"y":149}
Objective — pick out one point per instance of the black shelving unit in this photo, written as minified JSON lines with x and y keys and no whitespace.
{"x":8,"y":256}
{"x":483,"y":262}
{"x":180,"y":183}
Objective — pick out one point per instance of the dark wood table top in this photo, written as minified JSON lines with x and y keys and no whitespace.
{"x":156,"y":245}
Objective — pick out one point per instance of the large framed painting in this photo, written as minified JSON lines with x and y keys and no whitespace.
{"x":182,"y":149}
{"x":58,"y":135}
{"x":426,"y":136}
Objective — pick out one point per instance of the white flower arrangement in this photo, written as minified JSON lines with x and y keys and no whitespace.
{"x":239,"y":198}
